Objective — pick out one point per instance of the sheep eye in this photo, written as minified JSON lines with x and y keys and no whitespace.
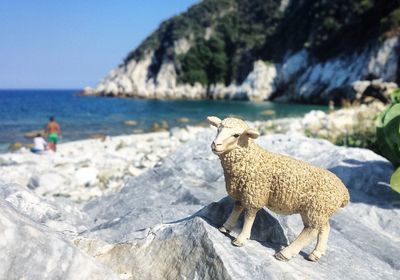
{"x":236,"y":135}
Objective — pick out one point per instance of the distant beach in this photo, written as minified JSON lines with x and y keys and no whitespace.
{"x":81,"y":117}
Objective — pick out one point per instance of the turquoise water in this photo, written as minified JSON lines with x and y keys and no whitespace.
{"x":80,"y":116}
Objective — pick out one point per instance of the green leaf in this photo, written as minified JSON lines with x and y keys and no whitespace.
{"x":388,"y":133}
{"x":395,"y":96}
{"x":395,"y":180}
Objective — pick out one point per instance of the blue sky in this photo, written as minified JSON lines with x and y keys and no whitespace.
{"x":73,"y":43}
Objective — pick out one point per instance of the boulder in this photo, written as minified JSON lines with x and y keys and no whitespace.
{"x":133,"y":171}
{"x":29,"y":250}
{"x":48,"y":183}
{"x":98,"y":136}
{"x":86,"y":176}
{"x":16,"y":146}
{"x":193,"y":248}
{"x":125,"y":226}
{"x":58,"y":214}
{"x":130,"y":122}
{"x":373,"y":90}
{"x":87,"y":91}
{"x":268,"y":113}
{"x":183,"y":120}
{"x":158,"y":127}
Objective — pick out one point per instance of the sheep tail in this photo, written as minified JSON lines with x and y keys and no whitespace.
{"x":345,"y":200}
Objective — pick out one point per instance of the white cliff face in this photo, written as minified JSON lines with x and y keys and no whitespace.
{"x":133,"y":80}
{"x":383,"y":63}
{"x":208,"y":33}
{"x":300,"y":77}
{"x":258,"y":85}
{"x":284,"y":4}
{"x":182,"y":45}
{"x":292,"y":66}
{"x":320,"y":79}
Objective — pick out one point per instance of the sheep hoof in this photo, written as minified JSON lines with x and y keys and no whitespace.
{"x":313,"y":257}
{"x":280,"y":257}
{"x":224,"y":230}
{"x":237,"y":243}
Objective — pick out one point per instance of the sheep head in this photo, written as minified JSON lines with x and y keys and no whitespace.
{"x":232,"y":134}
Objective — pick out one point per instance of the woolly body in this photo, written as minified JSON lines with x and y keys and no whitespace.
{"x":258,"y":178}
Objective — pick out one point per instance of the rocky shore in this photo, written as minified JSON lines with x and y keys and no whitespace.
{"x":86,"y":169}
{"x":161,"y":224}
{"x":332,"y":125}
{"x":148,"y":206}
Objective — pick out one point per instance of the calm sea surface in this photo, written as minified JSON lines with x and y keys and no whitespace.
{"x":80,"y":117}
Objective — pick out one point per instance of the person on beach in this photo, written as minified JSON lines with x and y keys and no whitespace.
{"x":53,"y":131}
{"x":39,"y":144}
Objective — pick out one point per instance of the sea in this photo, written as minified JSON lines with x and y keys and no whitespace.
{"x":81,"y":117}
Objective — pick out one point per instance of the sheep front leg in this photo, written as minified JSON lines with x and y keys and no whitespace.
{"x":321,"y":246}
{"x":233,"y":217}
{"x":294,"y":248}
{"x":249,"y":216}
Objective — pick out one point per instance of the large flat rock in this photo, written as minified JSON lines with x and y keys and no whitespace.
{"x":194,"y":249}
{"x":153,"y":216}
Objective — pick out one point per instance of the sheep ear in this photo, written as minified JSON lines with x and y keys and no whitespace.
{"x":252,"y":133}
{"x":215,"y":121}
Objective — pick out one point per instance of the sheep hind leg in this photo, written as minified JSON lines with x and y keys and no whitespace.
{"x":321,"y":246}
{"x":294,"y":248}
{"x":249,"y":216}
{"x":233,"y":217}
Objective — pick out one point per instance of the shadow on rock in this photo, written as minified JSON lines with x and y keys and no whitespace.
{"x":368,"y":182}
{"x":266,"y":228}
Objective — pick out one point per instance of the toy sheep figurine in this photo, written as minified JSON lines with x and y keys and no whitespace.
{"x":256,"y":178}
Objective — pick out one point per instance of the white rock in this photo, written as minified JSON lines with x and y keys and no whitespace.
{"x":166,"y":78}
{"x":48,"y":183}
{"x":261,"y":81}
{"x":360,"y":86}
{"x":384,"y":63}
{"x":135,"y":171}
{"x":31,"y":251}
{"x":161,"y":217}
{"x":191,"y":178}
{"x":86,"y":176}
{"x":182,"y":46}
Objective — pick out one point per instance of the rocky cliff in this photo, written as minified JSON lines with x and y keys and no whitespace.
{"x":311,"y":51}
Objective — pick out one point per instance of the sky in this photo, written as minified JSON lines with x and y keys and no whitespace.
{"x":70,"y":44}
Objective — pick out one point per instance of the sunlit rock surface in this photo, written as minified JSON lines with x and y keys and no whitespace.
{"x":163,"y":223}
{"x":30,"y":250}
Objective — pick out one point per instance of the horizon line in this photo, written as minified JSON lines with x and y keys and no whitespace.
{"x":2,"y":89}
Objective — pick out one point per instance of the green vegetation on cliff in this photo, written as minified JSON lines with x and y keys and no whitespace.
{"x":205,"y":63}
{"x":227,"y":36}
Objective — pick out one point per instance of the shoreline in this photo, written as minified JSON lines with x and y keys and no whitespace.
{"x":27,"y":142}
{"x":86,"y":169}
{"x":86,"y":116}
